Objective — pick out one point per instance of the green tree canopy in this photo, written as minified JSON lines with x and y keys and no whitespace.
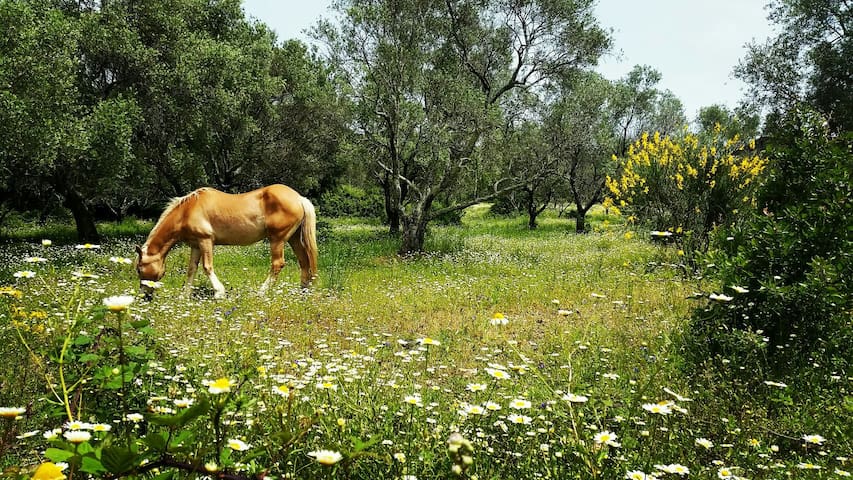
{"x":120,"y":105}
{"x":810,"y":60}
{"x":54,"y":141}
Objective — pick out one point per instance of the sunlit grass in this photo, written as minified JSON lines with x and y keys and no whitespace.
{"x":387,"y":357}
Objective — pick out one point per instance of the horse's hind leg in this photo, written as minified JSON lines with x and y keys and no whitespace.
{"x":277,"y":262}
{"x":195,"y":257}
{"x":206,"y":249}
{"x":302,"y":256}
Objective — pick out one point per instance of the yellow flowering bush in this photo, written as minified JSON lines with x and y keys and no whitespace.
{"x":686,"y":185}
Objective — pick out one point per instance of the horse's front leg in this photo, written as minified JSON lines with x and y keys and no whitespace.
{"x":195,"y":257}
{"x":206,"y":249}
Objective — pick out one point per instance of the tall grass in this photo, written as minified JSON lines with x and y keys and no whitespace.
{"x":499,"y":353}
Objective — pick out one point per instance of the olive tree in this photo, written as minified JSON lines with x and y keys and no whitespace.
{"x":431,"y":79}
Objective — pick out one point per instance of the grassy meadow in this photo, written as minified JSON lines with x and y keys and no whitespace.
{"x":502,"y":353}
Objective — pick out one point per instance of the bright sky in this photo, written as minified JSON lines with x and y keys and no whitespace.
{"x":695,"y":44}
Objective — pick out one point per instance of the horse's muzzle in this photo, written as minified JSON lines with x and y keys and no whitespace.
{"x":146,"y":292}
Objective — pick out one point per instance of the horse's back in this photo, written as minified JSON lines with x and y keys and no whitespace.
{"x":245,"y":218}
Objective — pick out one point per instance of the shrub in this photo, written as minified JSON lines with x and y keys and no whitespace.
{"x":506,"y":205}
{"x":788,"y":271}
{"x":351,"y":201}
{"x":687,"y":185}
{"x":453,"y":217}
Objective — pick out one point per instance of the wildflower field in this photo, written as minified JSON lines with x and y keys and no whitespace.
{"x":501,"y":354}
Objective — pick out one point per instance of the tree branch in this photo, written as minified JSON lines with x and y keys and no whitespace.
{"x":464,"y":205}
{"x":399,"y":175}
{"x":463,"y":48}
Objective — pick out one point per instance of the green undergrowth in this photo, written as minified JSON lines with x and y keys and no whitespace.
{"x":549,"y":354}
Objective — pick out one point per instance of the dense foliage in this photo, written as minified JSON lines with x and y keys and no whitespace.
{"x":808,"y":61}
{"x":785,"y":303}
{"x":433,"y":82}
{"x":786,"y":274}
{"x":111,"y":108}
{"x":402,"y":366}
{"x":351,"y":201}
{"x":565,"y":156}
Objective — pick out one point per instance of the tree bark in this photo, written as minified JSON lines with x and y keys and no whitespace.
{"x":393,"y":221}
{"x":414,"y":231}
{"x":532,"y":210}
{"x":580,"y":220}
{"x":87,"y":231}
{"x":391,"y":210}
{"x":531,"y":220}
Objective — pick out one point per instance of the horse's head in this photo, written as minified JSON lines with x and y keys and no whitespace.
{"x":150,"y":268}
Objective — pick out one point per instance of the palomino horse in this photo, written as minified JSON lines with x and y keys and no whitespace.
{"x":208,"y":217}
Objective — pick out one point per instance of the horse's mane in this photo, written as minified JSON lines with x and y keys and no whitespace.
{"x":175,"y":202}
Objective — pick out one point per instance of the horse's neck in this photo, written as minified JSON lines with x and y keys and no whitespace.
{"x":163,"y":237}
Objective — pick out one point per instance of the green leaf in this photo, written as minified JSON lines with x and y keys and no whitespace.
{"x":84,"y":448}
{"x":164,"y":420}
{"x":114,"y":383}
{"x":118,"y":459}
{"x":194,"y":411}
{"x":183,"y":418}
{"x":89,"y":357}
{"x":92,"y":465}
{"x":156,"y":441}
{"x":134,"y":351}
{"x":358,"y":445}
{"x":140,"y":324}
{"x":57,"y":455}
{"x":283,"y":437}
{"x":184,"y":441}
{"x":82,"y":340}
{"x":225,"y":456}
{"x":99,"y":313}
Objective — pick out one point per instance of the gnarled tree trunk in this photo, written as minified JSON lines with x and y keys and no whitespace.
{"x":580,"y":221}
{"x":414,"y":231}
{"x":87,"y":231}
{"x":414,"y":223}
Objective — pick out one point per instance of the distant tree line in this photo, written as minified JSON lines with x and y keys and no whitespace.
{"x":109,"y":108}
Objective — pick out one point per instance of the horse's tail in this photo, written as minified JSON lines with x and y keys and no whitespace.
{"x":308,"y":235}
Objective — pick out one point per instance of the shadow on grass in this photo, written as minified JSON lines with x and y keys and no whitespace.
{"x":66,"y":233}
